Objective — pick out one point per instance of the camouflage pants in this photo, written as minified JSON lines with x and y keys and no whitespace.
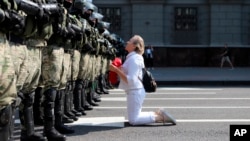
{"x":20,"y":59}
{"x":92,"y":66}
{"x":75,"y":64}
{"x":104,"y":63}
{"x":8,"y":91}
{"x":52,"y":62}
{"x":65,"y":74}
{"x":83,"y":69}
{"x":98,"y":65}
{"x":34,"y":69}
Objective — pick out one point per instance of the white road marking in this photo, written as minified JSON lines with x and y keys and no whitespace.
{"x":212,"y":120}
{"x":176,"y":89}
{"x":189,"y":89}
{"x":120,"y":121}
{"x":124,"y":98}
{"x":173,"y":93}
{"x":96,"y":121}
{"x":186,"y":107}
{"x":100,"y":121}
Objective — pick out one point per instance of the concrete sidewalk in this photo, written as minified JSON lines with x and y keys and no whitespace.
{"x":202,"y":76}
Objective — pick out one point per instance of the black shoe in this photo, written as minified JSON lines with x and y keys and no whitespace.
{"x":93,"y":104}
{"x":98,"y":92}
{"x":97,"y":99}
{"x":88,"y":107}
{"x":67,"y":119}
{"x":72,"y":117}
{"x":64,"y":129}
{"x":33,"y":137}
{"x":105,"y":91}
{"x":82,"y":111}
{"x":69,"y":114}
{"x":54,"y":135}
{"x":78,"y":114}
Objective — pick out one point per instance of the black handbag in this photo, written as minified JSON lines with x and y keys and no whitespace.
{"x":148,"y":81}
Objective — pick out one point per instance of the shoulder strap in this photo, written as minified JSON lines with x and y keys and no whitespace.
{"x":143,"y":72}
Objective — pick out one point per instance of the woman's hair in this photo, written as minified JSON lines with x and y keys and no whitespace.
{"x":139,"y":44}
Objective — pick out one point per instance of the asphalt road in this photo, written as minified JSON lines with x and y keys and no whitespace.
{"x":202,"y":114}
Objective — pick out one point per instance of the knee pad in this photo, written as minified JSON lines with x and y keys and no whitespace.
{"x":27,"y":99}
{"x":5,"y":115}
{"x":50,"y":95}
{"x":79,"y":84}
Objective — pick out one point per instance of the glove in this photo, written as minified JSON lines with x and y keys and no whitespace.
{"x":78,"y":36}
{"x":71,"y":33}
{"x":87,"y":32}
{"x":13,"y":21}
{"x":87,"y":48}
{"x":62,"y":31}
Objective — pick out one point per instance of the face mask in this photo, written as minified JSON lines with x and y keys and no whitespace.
{"x":91,"y":23}
{"x":86,"y":15}
{"x":67,"y":4}
{"x":101,"y":31}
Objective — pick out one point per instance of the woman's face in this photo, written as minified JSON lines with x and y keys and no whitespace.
{"x":130,"y":45}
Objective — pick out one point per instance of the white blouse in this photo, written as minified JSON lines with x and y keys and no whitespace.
{"x":132,"y":67}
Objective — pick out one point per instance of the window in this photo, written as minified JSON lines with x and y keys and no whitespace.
{"x":113,"y":16}
{"x":185,"y":19}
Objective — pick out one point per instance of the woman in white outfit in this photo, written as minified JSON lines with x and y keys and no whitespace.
{"x":129,"y":73}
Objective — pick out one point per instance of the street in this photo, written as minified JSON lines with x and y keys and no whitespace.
{"x":202,"y":114}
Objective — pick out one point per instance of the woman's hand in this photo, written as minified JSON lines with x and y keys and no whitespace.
{"x":112,"y":67}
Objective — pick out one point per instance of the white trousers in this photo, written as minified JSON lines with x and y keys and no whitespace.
{"x":135,"y":100}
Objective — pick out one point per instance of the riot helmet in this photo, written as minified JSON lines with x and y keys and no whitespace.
{"x":102,"y":26}
{"x":90,"y":6}
{"x":79,"y":4}
{"x":95,"y":18}
{"x":84,"y":8}
{"x":88,"y":10}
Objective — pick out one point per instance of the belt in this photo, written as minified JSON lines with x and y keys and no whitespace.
{"x":36,"y":43}
{"x":68,"y":51}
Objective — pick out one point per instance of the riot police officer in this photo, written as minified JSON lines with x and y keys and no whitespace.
{"x":10,"y":21}
{"x":38,"y":31}
{"x":82,"y":9}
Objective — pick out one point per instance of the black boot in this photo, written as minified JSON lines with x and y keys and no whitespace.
{"x":71,"y":88}
{"x":7,"y":124}
{"x":37,"y":107}
{"x":96,"y":96}
{"x":59,"y":112}
{"x":49,"y":119}
{"x":109,"y":85}
{"x":90,"y":95}
{"x":27,"y":120}
{"x":97,"y":88}
{"x":67,"y":110}
{"x":78,"y":97}
{"x":102,"y":84}
{"x":85,"y":104}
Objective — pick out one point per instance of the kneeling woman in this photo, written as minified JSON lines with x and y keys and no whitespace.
{"x":129,"y":74}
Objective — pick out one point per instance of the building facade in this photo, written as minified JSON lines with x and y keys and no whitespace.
{"x":184,"y":32}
